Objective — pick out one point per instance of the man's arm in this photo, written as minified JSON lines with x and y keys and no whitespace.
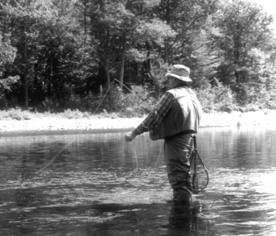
{"x":154,"y":117}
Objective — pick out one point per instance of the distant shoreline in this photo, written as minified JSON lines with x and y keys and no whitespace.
{"x":62,"y":125}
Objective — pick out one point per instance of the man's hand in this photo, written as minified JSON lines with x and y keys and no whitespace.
{"x":130,"y":136}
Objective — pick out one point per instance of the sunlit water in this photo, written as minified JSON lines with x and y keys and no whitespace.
{"x":96,"y":184}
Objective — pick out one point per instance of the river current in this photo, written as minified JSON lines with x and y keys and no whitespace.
{"x":97,"y":184}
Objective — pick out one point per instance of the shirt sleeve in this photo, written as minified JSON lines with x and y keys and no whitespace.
{"x":157,"y":114}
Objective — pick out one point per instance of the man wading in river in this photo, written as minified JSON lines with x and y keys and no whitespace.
{"x":175,"y":119}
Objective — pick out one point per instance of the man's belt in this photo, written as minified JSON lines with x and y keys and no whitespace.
{"x":180,"y":133}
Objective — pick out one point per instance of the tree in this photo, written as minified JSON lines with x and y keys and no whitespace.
{"x":245,"y":28}
{"x":205,"y":56}
{"x":186,"y":18}
{"x":50,"y":54}
{"x":24,"y":20}
{"x":126,"y":31}
{"x":65,"y":49}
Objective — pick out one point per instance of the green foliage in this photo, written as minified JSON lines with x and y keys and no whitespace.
{"x":157,"y":73}
{"x":155,"y":30}
{"x":18,"y":114}
{"x":3,"y":102}
{"x":256,"y":96}
{"x":135,"y":102}
{"x":75,"y":114}
{"x":108,"y":100}
{"x":5,"y":86}
{"x":216,"y":98}
{"x":140,"y":101}
{"x":7,"y":51}
{"x":245,"y":38}
{"x":65,"y":54}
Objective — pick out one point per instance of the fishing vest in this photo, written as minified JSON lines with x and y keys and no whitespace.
{"x":184,"y":116}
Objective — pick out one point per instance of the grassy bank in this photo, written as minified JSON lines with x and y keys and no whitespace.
{"x":16,"y":120}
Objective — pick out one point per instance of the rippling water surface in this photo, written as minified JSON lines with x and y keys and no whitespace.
{"x":96,"y":184}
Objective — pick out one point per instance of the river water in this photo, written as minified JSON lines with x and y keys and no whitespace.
{"x":96,"y":184}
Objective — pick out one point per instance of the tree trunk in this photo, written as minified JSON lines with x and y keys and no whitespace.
{"x":26,"y":94}
{"x":85,"y":20}
{"x":166,"y":60}
{"x":107,"y":69}
{"x":25,"y":70}
{"x":122,"y":69}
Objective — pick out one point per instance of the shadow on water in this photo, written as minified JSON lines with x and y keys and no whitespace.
{"x":100,"y":185}
{"x":153,"y":219}
{"x":109,"y":219}
{"x":57,"y":208}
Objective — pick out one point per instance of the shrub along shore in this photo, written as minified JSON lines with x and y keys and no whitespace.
{"x":24,"y":122}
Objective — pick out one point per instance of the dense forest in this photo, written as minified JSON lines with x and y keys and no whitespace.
{"x":112,"y":55}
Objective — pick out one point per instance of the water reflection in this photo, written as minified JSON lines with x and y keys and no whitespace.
{"x":244,"y":147}
{"x":100,"y":185}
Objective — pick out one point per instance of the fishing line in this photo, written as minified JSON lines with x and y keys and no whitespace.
{"x":160,"y":150}
{"x":51,"y":161}
{"x":135,"y":149}
{"x":124,"y":86}
{"x":69,"y":143}
{"x":54,"y":158}
{"x":135,"y":154}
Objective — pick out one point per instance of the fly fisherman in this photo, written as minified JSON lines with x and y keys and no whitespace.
{"x":175,"y":119}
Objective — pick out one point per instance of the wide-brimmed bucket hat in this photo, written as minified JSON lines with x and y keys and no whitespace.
{"x":180,"y":72}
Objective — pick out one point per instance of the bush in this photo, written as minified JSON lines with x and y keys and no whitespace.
{"x":216,"y":98}
{"x":3,"y":102}
{"x":136,"y":102}
{"x":256,"y":96}
{"x":75,"y":114}
{"x":139,"y":102}
{"x":107,"y":100}
{"x":18,"y":114}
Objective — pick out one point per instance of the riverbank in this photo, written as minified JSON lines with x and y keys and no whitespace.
{"x":53,"y":123}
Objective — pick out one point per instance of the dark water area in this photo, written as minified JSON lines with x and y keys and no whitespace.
{"x":96,"y":184}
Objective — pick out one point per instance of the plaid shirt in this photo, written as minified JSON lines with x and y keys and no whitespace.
{"x":157,"y":114}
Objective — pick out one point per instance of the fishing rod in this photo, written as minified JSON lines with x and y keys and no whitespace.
{"x":69,"y":143}
{"x":150,"y":110}
{"x":194,"y":159}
